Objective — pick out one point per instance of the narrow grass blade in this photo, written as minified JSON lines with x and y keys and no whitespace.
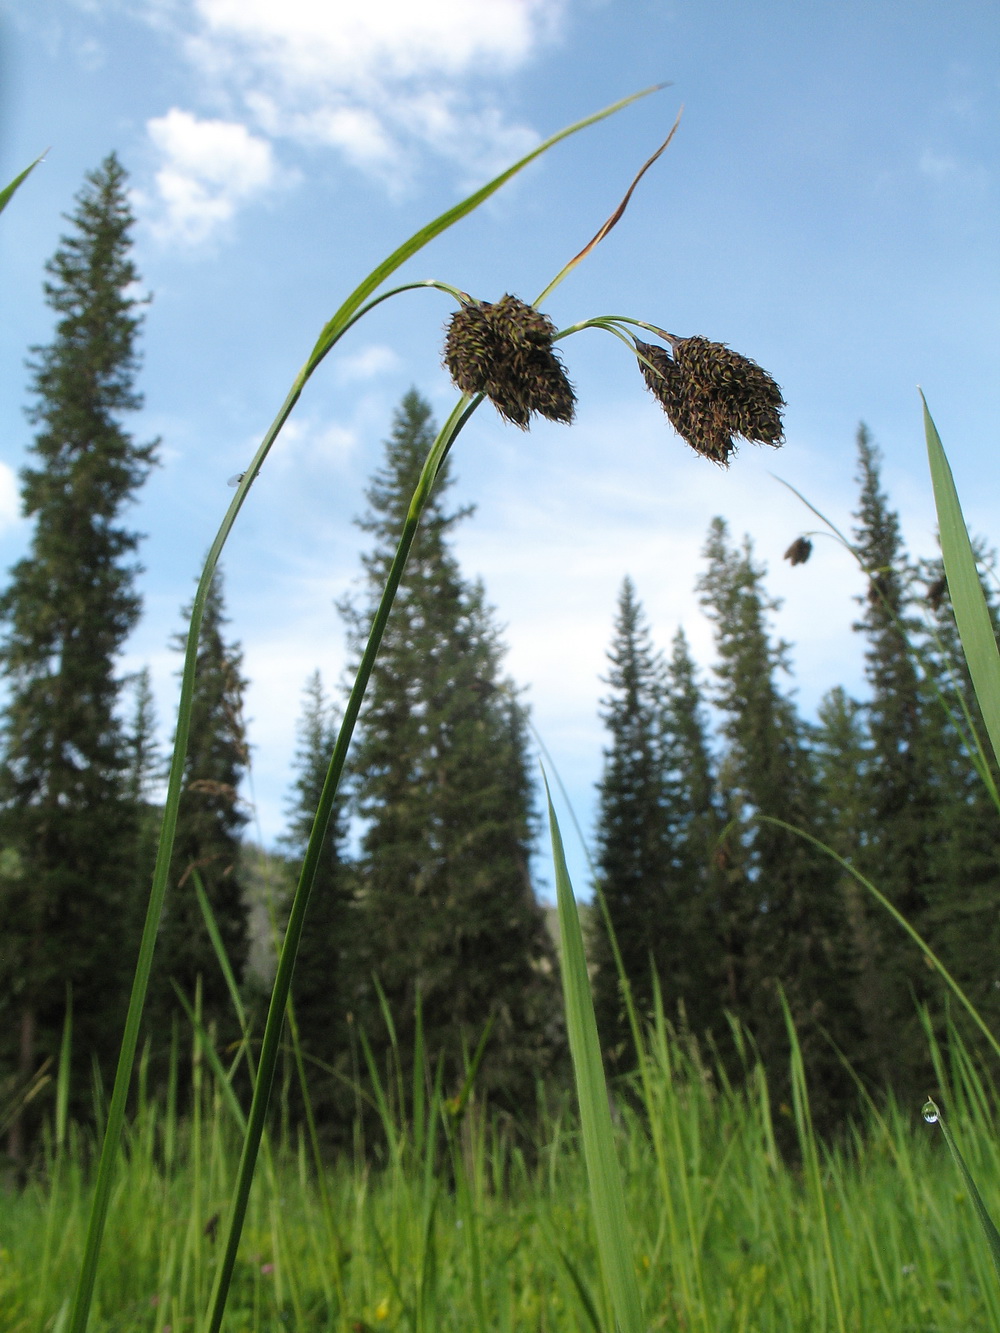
{"x":932,"y":1115}
{"x":211,"y":925}
{"x":971,"y":613}
{"x":62,"y":1077}
{"x":606,"y":1194}
{"x":8,"y":191}
{"x":933,"y":960}
{"x":222,"y":1079}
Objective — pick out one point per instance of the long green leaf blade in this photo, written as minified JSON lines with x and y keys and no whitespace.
{"x":8,"y":191}
{"x":971,"y":614}
{"x":932,"y":1114}
{"x":447,"y":219}
{"x":607,"y":1198}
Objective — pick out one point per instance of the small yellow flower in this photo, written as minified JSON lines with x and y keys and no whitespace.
{"x":382,"y":1309}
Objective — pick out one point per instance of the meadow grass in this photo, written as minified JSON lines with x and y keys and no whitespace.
{"x":459,"y":1226}
{"x":676,"y":1212}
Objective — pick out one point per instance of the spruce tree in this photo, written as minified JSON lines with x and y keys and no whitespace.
{"x":901,"y":800}
{"x":144,"y":779}
{"x":326,"y":974}
{"x":210,"y":821}
{"x":784,"y":921}
{"x":657,"y":826}
{"x":964,"y":853}
{"x":447,"y":909}
{"x":66,"y":814}
{"x":699,"y":866}
{"x":633,"y":833}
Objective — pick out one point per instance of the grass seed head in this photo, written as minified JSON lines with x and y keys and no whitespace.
{"x":799,"y":551}
{"x":504,"y":350}
{"x":470,"y":348}
{"x":712,"y":394}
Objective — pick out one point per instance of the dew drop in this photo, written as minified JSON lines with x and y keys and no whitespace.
{"x":235,"y":479}
{"x":930,"y":1113}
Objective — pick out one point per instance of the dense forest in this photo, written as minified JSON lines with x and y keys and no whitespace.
{"x":426,"y":931}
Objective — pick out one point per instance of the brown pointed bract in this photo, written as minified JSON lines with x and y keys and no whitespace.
{"x":503,"y":349}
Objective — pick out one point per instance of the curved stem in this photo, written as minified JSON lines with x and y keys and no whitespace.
{"x":300,"y":902}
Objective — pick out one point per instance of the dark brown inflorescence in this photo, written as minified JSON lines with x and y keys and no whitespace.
{"x":504,"y":350}
{"x":712,"y":394}
{"x":799,"y":551}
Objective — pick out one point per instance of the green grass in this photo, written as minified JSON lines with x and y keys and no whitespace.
{"x":460,"y":1229}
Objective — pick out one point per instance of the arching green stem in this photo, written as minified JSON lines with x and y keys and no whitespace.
{"x":300,"y":902}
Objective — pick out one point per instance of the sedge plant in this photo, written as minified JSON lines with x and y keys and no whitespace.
{"x":361,"y":300}
{"x":504,"y":351}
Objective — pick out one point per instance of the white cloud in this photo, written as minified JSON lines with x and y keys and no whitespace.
{"x":308,"y":44}
{"x":209,"y":168}
{"x":305,"y":443}
{"x":377,"y":83}
{"x":367,"y":363}
{"x":10,"y":501}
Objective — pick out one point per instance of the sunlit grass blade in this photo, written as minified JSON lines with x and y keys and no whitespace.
{"x":932,"y":1115}
{"x":971,"y":613}
{"x":8,"y":191}
{"x":603,"y":1173}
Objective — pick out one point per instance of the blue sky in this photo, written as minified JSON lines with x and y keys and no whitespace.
{"x":828,"y":207}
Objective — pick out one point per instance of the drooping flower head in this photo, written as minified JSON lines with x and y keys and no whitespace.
{"x":711,"y":394}
{"x":504,"y":350}
{"x":799,"y":551}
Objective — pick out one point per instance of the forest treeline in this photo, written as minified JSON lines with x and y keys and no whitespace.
{"x":425,"y":930}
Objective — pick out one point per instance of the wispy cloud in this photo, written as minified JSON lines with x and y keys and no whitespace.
{"x":209,"y":168}
{"x":378,"y":84}
{"x":366,"y":364}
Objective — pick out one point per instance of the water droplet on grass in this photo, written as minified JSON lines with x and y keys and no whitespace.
{"x":930,"y":1113}
{"x":235,"y":479}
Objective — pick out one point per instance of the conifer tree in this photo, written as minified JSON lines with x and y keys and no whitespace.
{"x":66,"y":813}
{"x":964,"y":853}
{"x":699,"y":864}
{"x":784,"y":918}
{"x":209,"y":826}
{"x":143,"y":781}
{"x":633,"y":832}
{"x":447,"y":908}
{"x":902,"y":806}
{"x":326,"y":973}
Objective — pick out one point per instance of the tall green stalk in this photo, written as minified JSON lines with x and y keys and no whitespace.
{"x":607,"y":1197}
{"x":300,"y":901}
{"x":341,"y":321}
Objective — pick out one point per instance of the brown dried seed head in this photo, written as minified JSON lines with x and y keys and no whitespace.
{"x":520,"y":322}
{"x":695,"y":416}
{"x":746,"y":393}
{"x":711,"y":394}
{"x":470,"y":348}
{"x":504,"y":350}
{"x":799,"y":551}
